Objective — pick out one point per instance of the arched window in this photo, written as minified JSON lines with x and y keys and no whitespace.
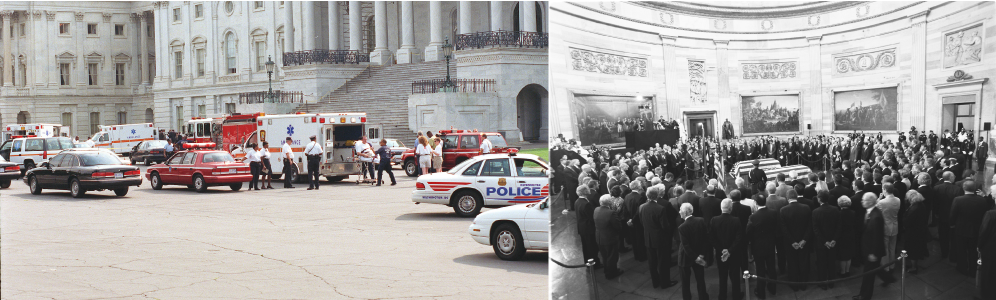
{"x":23,"y":117}
{"x":539,"y":18}
{"x":149,"y":116}
{"x":231,"y":49}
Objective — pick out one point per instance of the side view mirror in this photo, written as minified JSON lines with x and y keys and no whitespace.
{"x":46,"y":165}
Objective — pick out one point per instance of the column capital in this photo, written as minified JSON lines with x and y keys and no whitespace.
{"x":36,"y":14}
{"x":50,"y":15}
{"x":919,"y":17}
{"x":6,"y":14}
{"x":668,"y":39}
{"x":107,"y":17}
{"x":814,"y":39}
{"x":79,"y":16}
{"x":721,"y":43}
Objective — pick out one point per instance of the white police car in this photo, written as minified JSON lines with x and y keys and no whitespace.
{"x":492,"y":180}
{"x":513,"y":230}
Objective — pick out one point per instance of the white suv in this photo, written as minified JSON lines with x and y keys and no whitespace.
{"x":30,"y":152}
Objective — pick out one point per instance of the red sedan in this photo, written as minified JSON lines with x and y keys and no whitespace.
{"x":199,"y":169}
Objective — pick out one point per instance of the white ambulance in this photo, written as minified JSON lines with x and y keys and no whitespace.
{"x":36,"y":130}
{"x":335,"y":132}
{"x":121,"y":139}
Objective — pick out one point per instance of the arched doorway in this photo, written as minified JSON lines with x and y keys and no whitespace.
{"x":539,"y":17}
{"x":23,"y":117}
{"x":370,"y":35}
{"x":149,"y":116}
{"x":532,"y":112}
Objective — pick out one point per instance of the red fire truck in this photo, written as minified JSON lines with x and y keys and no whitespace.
{"x":458,"y":146}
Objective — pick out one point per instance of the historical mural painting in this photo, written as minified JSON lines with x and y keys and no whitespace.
{"x":871,"y":109}
{"x":603,"y":119}
{"x":770,"y":113}
{"x":963,"y":46}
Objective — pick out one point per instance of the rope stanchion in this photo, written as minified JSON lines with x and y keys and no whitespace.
{"x":747,"y":284}
{"x":569,"y":266}
{"x":902,"y":279}
{"x":825,"y":282}
{"x":591,"y":276}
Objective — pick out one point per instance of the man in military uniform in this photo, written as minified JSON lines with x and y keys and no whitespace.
{"x":902,"y":138}
{"x":757,"y":178}
{"x":981,"y":154}
{"x":933,"y":141}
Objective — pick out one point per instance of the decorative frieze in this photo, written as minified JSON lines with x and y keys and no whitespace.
{"x":612,"y":64}
{"x":769,"y":70}
{"x":50,"y":15}
{"x":697,"y":83}
{"x":963,"y":46}
{"x":853,"y":63}
{"x":667,"y":18}
{"x":609,"y":6}
{"x":79,"y":16}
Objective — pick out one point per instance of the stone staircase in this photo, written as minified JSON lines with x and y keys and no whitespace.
{"x":381,"y":92}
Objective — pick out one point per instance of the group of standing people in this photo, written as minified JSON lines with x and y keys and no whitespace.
{"x":859,"y":212}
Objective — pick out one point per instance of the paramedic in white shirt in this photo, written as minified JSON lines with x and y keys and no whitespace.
{"x":485,"y":145}
{"x":365,"y":155}
{"x":252,"y":156}
{"x":267,"y":174}
{"x":314,"y":153}
{"x":288,"y":157}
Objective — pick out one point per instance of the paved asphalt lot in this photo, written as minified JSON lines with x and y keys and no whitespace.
{"x":342,"y":241}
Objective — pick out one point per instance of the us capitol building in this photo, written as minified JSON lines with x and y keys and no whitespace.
{"x":84,"y":64}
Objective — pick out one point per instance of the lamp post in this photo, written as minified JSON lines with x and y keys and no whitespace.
{"x":448,"y":86}
{"x":269,"y":74}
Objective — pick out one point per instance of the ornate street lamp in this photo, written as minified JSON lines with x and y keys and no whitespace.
{"x":269,"y":74}
{"x":448,"y":86}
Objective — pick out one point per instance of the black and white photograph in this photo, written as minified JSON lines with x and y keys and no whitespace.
{"x":866,"y":110}
{"x":820,"y":150}
{"x":770,"y":113}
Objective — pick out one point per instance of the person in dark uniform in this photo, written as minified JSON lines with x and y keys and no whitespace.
{"x":385,"y":165}
{"x":933,"y":141}
{"x":757,"y":178}
{"x":796,"y":220}
{"x":826,"y":232}
{"x":692,"y":255}
{"x":761,"y":233}
{"x":585,"y":211}
{"x":727,"y":238}
{"x":981,"y":154}
{"x":287,"y":155}
{"x":966,"y":217}
{"x":314,"y":153}
{"x":872,"y":247}
{"x":657,"y":235}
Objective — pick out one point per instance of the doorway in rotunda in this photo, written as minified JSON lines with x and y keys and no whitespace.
{"x":700,"y":124}
{"x":958,"y":112}
{"x":530,"y":104}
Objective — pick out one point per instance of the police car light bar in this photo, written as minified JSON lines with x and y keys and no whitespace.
{"x":198,"y":145}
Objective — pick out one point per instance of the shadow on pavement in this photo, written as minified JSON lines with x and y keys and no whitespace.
{"x":532,"y":262}
{"x":434,"y":216}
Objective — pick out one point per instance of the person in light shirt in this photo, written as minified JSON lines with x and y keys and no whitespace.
{"x":365,"y":155}
{"x":485,"y":145}
{"x":267,"y":172}
{"x":288,"y":157}
{"x":252,"y":156}
{"x":437,"y":155}
{"x":314,"y":152}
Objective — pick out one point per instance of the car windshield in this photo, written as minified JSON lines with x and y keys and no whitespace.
{"x":99,"y":158}
{"x":217,"y":157}
{"x":460,"y":166}
{"x":59,"y":143}
{"x":157,"y":144}
{"x":395,"y":143}
{"x":497,"y":141}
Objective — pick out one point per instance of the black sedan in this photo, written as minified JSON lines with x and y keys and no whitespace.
{"x":82,"y":170}
{"x":8,"y":171}
{"x":149,"y":152}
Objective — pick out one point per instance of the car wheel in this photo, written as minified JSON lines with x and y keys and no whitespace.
{"x":148,"y":161}
{"x":75,"y":189}
{"x":157,"y":182}
{"x":34,"y":186}
{"x":121,"y":192}
{"x":507,"y":242}
{"x":132,"y":160}
{"x":27,"y":166}
{"x":411,"y":169}
{"x":467,"y":204}
{"x":236,"y":186}
{"x":199,"y":185}
{"x":4,"y":184}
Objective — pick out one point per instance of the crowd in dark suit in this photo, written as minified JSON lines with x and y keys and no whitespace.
{"x":854,"y":213}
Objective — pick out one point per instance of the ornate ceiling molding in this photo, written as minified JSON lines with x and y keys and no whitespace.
{"x":769,"y":70}
{"x":860,"y":62}
{"x":749,"y":12}
{"x":605,"y":63}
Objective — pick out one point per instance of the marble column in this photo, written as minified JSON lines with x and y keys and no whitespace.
{"x":917,"y":103}
{"x":820,"y":124}
{"x":334,"y":34}
{"x":8,"y":61}
{"x":355,"y":30}
{"x":381,"y":55}
{"x":496,"y":16}
{"x":670,"y":77}
{"x":407,"y":50}
{"x":464,"y":17}
{"x":143,"y":50}
{"x":528,"y":9}
{"x":723,"y":81}
{"x":289,"y":26}
{"x":434,"y":51}
{"x":308,"y":25}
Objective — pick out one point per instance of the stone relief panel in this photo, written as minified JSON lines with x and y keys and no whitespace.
{"x":853,"y":63}
{"x":697,"y":83}
{"x":605,"y":63}
{"x":769,"y":70}
{"x":963,"y":46}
